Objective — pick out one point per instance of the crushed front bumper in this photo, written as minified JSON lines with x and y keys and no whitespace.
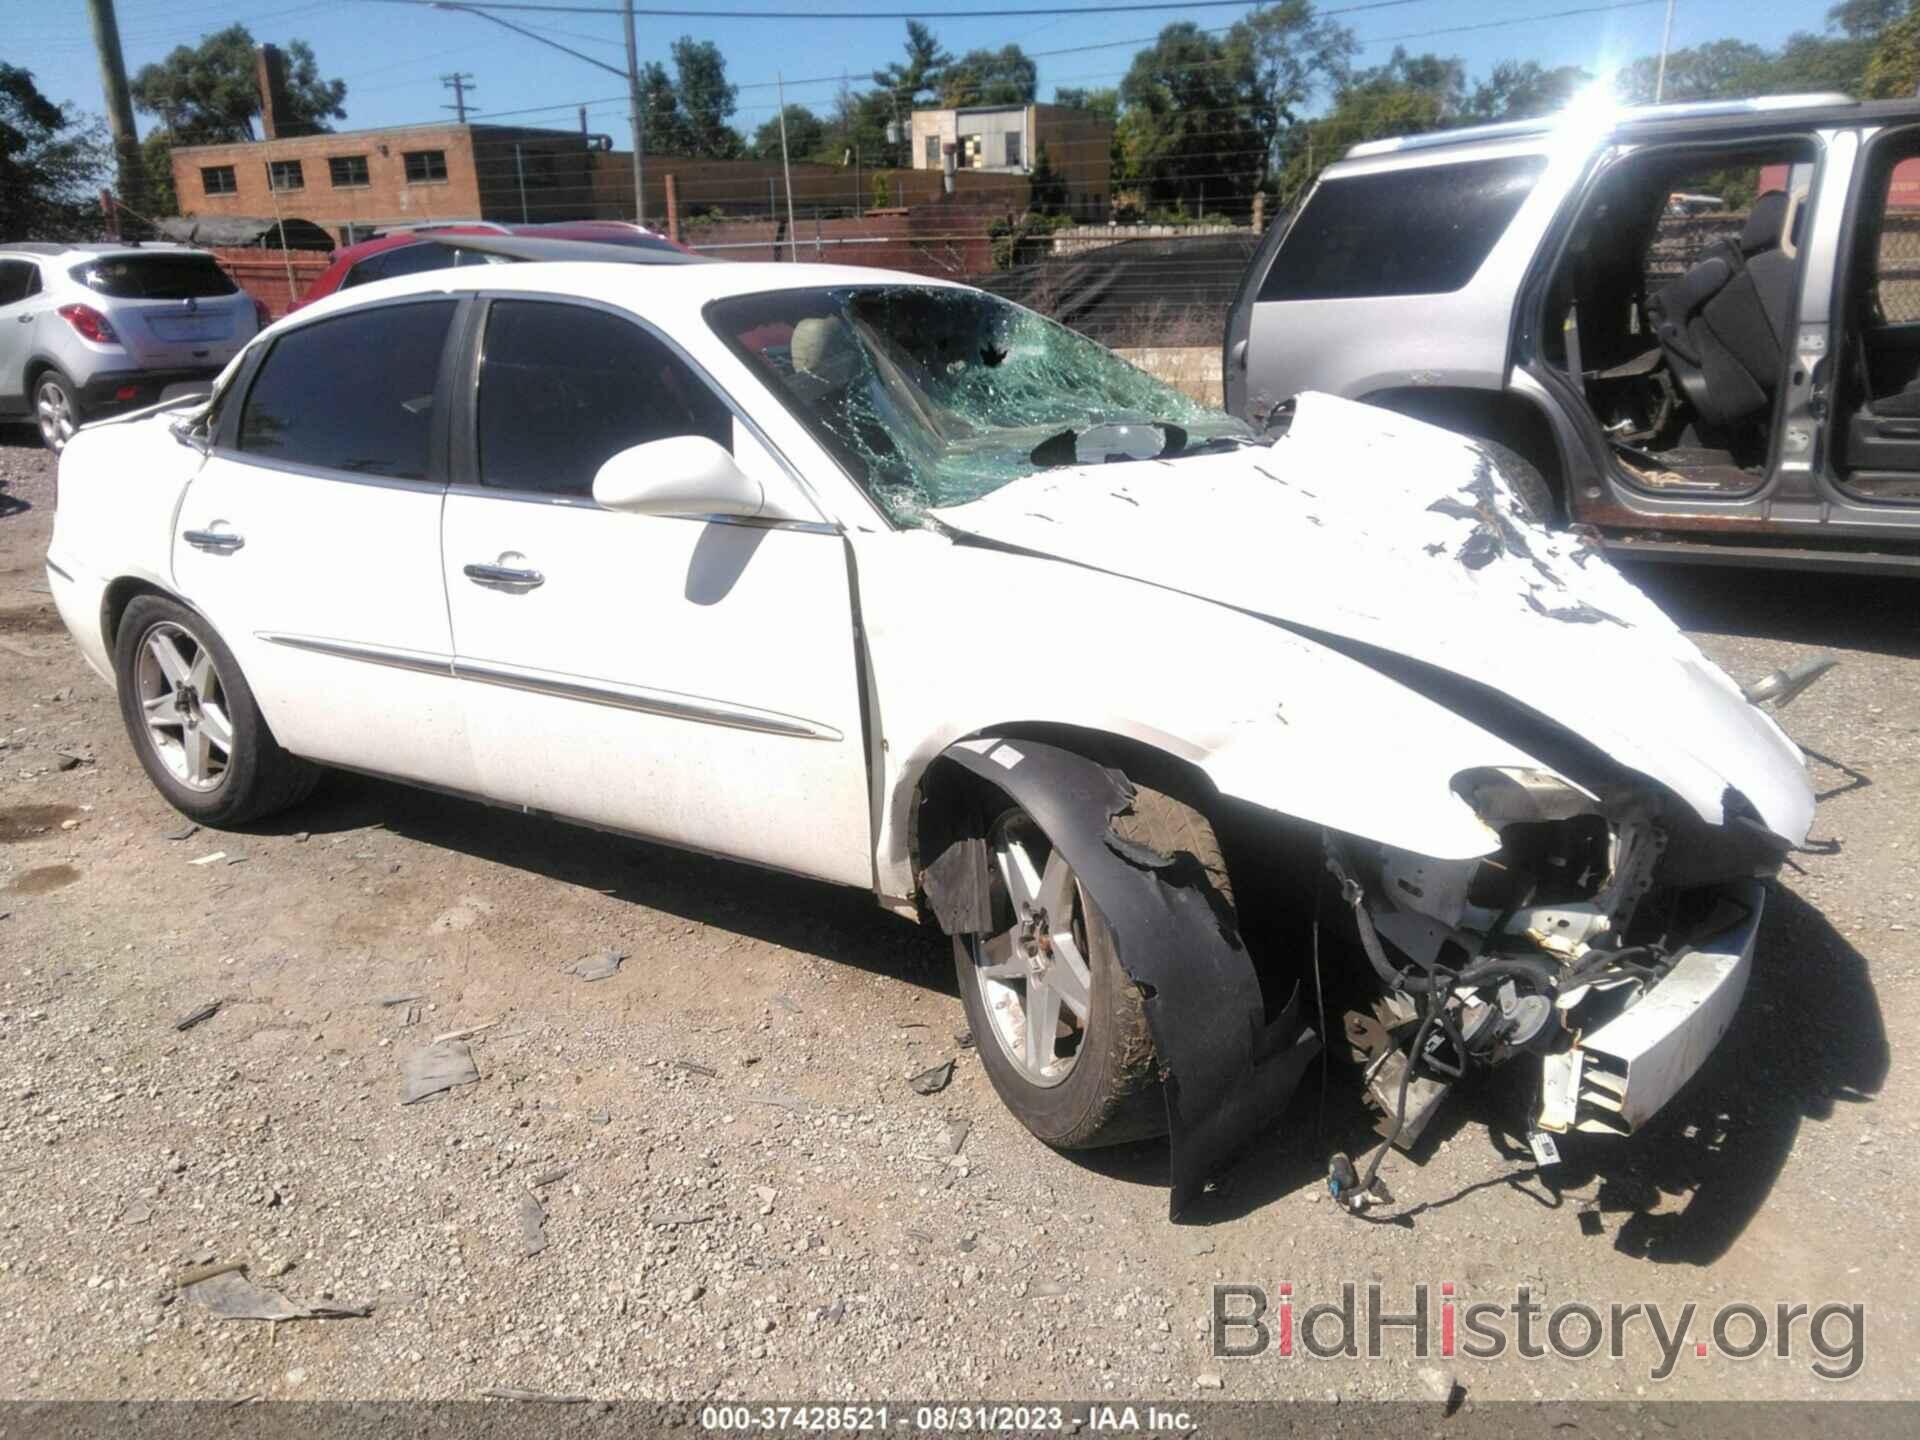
{"x":1614,"y":1079}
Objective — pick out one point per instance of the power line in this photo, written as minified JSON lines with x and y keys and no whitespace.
{"x":1022,"y":11}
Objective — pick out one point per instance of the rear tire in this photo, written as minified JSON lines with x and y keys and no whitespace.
{"x":1106,"y":1088}
{"x":1524,"y":479}
{"x":56,"y":409}
{"x":193,"y":721}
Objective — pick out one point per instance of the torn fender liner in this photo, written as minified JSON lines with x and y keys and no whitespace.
{"x":1227,"y":1071}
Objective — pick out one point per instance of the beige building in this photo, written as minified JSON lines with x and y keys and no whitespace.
{"x":1077,"y":146}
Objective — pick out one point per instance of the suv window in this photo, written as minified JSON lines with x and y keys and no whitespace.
{"x":1400,"y":232}
{"x":18,"y":280}
{"x":565,"y":387}
{"x":351,"y":393}
{"x":410,"y":260}
{"x":155,"y":277}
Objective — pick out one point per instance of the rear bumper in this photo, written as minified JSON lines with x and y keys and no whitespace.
{"x":1619,"y":1076}
{"x":77,"y":595}
{"x":115,"y":392}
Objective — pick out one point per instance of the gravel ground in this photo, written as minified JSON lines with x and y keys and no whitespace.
{"x":706,"y":1175}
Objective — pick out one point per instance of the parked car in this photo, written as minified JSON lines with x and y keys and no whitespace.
{"x":1695,"y":328}
{"x":894,"y":584}
{"x":405,"y":251}
{"x":94,"y":330}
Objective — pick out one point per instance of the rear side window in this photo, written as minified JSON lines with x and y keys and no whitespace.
{"x":563,"y":388}
{"x":1401,"y":232}
{"x":352,"y":393}
{"x":411,"y":260}
{"x":155,"y":277}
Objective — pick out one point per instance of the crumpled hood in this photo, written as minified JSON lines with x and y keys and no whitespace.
{"x":1383,"y":530}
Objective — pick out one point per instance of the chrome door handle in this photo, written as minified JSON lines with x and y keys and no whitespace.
{"x":223,"y":542}
{"x":504,"y":575}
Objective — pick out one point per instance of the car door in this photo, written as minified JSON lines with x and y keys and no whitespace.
{"x":20,"y":305}
{"x":687,"y":678}
{"x":310,"y":537}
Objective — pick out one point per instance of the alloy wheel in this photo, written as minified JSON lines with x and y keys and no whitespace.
{"x":54,"y":414}
{"x":185,"y":706}
{"x":1033,"y":975}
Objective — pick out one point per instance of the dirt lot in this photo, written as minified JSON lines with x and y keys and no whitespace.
{"x":756,"y":1202}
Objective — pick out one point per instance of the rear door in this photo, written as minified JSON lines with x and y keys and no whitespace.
{"x":689,"y":678}
{"x":1389,"y":274}
{"x":173,"y":310}
{"x":311,"y":539}
{"x":21,"y":302}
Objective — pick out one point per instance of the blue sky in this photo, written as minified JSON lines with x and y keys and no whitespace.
{"x":391,"y":55}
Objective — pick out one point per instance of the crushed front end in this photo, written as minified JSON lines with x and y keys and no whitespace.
{"x":1606,"y":941}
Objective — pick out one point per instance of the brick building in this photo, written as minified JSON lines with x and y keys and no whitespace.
{"x":1076,"y":146}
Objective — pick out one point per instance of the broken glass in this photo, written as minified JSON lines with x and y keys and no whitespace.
{"x":933,"y":397}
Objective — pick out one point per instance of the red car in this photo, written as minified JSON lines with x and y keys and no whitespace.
{"x":404,"y":252}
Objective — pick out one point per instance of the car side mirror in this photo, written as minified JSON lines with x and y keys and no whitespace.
{"x":688,"y":475}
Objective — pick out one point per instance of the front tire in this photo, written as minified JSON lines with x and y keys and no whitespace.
{"x":56,"y":409}
{"x":193,"y":721}
{"x":1059,"y":1026}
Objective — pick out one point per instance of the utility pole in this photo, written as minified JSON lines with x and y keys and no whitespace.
{"x":1666,"y":43}
{"x":639,"y":132}
{"x":458,"y":83}
{"x":113,"y":80}
{"x":785,"y":169}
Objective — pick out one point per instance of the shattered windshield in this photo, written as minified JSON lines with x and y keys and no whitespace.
{"x":933,"y":397}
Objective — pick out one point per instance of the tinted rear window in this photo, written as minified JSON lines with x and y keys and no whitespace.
{"x":1402,"y":232}
{"x":353,"y":392}
{"x":155,"y":277}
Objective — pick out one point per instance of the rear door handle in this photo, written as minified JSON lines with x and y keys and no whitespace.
{"x":222,"y":542}
{"x":504,"y":575}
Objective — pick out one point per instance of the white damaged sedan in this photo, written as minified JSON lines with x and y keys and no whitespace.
{"x":894,"y":584}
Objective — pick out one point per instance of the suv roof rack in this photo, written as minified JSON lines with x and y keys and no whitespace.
{"x":1625,"y":115}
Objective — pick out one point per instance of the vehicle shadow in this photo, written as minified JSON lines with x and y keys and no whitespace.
{"x":832,"y":922}
{"x":1679,"y":1192}
{"x":1807,"y":1040}
{"x":1847,"y":612}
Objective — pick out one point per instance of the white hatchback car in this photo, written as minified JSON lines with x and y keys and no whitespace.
{"x":894,"y":584}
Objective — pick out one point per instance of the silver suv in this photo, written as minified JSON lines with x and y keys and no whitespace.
{"x":88,"y":331}
{"x":1693,"y":328}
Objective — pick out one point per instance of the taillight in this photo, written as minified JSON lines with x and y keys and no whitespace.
{"x":262,"y":316}
{"x":89,"y":324}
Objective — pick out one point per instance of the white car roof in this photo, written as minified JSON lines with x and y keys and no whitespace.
{"x":659,"y":292}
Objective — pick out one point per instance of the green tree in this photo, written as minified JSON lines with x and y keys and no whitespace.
{"x":1188,"y":133}
{"x":1103,"y":102}
{"x":208,"y":92}
{"x":705,"y":99}
{"x":1893,"y":68}
{"x":1409,"y":95}
{"x":1296,"y":57}
{"x":1717,"y":70}
{"x":156,"y":164}
{"x":806,"y":135}
{"x":918,"y":77}
{"x":662,"y":126}
{"x":50,"y":161}
{"x":1523,"y":90}
{"x":1006,"y":76}
{"x":1863,"y":19}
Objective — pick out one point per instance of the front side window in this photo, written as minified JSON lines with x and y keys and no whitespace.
{"x":933,"y":396}
{"x":352,"y":393}
{"x":1400,"y":232}
{"x":347,"y":171}
{"x":424,"y":166}
{"x":286,"y":175}
{"x":563,"y":388}
{"x":218,"y":180}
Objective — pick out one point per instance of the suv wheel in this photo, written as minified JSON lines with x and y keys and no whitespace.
{"x":56,"y":409}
